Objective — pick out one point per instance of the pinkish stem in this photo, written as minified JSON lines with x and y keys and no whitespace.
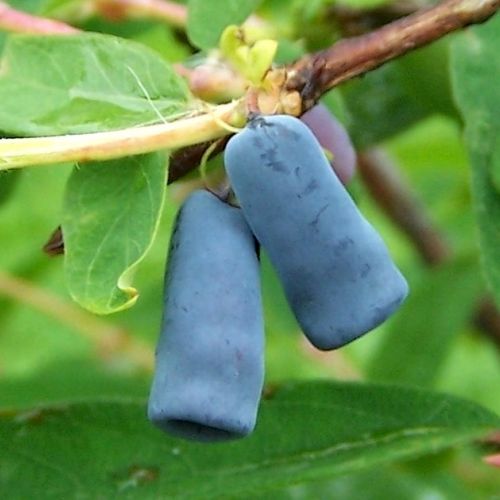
{"x":16,"y":21}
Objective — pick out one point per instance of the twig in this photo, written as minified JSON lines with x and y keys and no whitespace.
{"x":17,"y":153}
{"x":108,"y":339}
{"x":16,"y":21}
{"x":315,"y":74}
{"x":493,"y":460}
{"x":487,"y":319}
{"x":182,"y":160}
{"x":169,"y":12}
{"x":55,"y":243}
{"x":401,"y":206}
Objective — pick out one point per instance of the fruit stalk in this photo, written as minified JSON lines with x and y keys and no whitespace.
{"x":17,"y":153}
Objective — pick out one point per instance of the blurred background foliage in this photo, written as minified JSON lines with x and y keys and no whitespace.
{"x":50,"y":352}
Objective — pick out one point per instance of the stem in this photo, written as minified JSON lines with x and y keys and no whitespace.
{"x":398,"y":202}
{"x":16,"y":153}
{"x":20,"y":22}
{"x":108,"y":339}
{"x":493,"y":460}
{"x":169,"y":12}
{"x":487,"y":319}
{"x":317,"y":73}
{"x":182,"y":161}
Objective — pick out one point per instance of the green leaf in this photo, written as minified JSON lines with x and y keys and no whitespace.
{"x":207,"y":20}
{"x":53,"y":85}
{"x":72,"y":379}
{"x":476,"y":73}
{"x":8,"y":182}
{"x":26,"y":5}
{"x":387,"y":482}
{"x":306,"y":432}
{"x":65,"y":10}
{"x":495,"y":166}
{"x":419,"y":337}
{"x":111,"y":214}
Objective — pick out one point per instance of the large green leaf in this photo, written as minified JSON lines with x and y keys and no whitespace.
{"x":73,"y":379}
{"x":110,"y":217}
{"x":476,"y":73}
{"x":384,"y":483}
{"x":85,"y":83}
{"x":207,"y":20}
{"x":305,"y":432}
{"x":419,"y":337}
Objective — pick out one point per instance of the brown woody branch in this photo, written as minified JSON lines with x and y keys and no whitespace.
{"x":487,"y":319}
{"x":401,"y":205}
{"x":182,"y":160}
{"x":172,"y":13}
{"x":315,"y":74}
{"x":398,"y":202}
{"x":108,"y":339}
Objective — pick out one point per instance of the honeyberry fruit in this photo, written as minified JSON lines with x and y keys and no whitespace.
{"x":336,"y":271}
{"x":332,"y":136}
{"x":209,"y":359}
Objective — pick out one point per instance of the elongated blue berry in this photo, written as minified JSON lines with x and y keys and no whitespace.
{"x":209,"y":360}
{"x":335,"y":269}
{"x":332,"y":136}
